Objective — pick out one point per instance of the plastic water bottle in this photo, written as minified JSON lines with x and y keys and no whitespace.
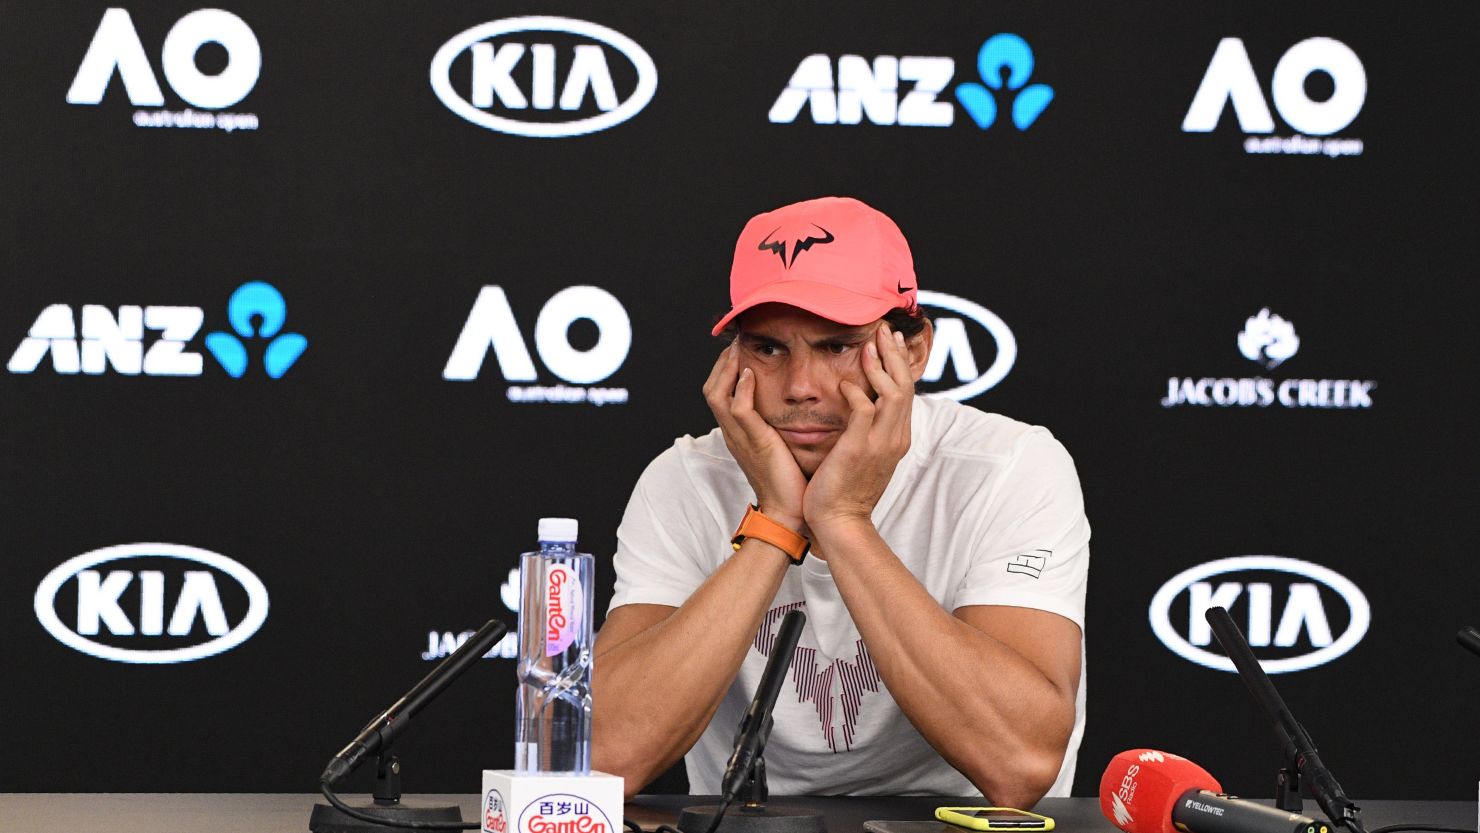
{"x":553,"y":721}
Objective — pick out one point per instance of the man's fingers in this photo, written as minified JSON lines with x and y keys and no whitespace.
{"x":862,"y":410}
{"x":888,"y":372}
{"x":894,"y":356}
{"x":742,"y":408}
{"x":874,"y":371}
{"x":719,"y":388}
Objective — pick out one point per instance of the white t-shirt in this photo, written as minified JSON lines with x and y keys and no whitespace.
{"x":982,"y":510}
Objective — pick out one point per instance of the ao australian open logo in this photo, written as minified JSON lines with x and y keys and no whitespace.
{"x":495,"y":820}
{"x":563,"y":813}
{"x":1294,"y":614}
{"x":151,"y":603}
{"x":973,"y":350}
{"x":544,"y":77}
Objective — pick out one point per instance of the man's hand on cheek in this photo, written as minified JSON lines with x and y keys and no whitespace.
{"x":849,"y":482}
{"x":768,"y":464}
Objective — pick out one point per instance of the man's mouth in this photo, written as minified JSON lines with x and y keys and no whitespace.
{"x":806,"y":434}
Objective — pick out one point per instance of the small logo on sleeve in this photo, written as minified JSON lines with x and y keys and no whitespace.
{"x":1029,"y":563}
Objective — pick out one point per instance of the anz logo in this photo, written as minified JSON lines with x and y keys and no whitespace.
{"x":971,"y":341}
{"x":132,"y":340}
{"x":910,"y":90}
{"x":151,"y":603}
{"x":543,"y":77}
{"x":256,"y":311}
{"x":1297,"y":615}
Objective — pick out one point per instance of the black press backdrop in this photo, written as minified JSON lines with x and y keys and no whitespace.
{"x":381,"y":505}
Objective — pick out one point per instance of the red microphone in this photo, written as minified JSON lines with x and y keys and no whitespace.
{"x":1147,"y":791}
{"x":1140,"y":786}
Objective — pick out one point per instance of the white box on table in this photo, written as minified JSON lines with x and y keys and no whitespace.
{"x":515,"y":802}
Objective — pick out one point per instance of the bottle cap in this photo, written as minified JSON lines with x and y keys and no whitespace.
{"x":558,"y":529}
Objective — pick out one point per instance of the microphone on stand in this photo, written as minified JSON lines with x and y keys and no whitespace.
{"x":1148,"y":791}
{"x":376,"y":739}
{"x":745,"y":773}
{"x":382,"y":730}
{"x":1305,"y":763}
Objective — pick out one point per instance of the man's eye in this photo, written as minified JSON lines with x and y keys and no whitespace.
{"x":766,"y":349}
{"x":839,"y":349}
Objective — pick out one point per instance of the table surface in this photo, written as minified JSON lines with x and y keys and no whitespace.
{"x":288,"y":812}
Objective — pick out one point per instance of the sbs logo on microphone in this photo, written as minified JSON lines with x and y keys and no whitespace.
{"x":1296,"y":615}
{"x":1123,"y":795}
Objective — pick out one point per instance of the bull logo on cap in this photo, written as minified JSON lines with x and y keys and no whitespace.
{"x":797,"y":245}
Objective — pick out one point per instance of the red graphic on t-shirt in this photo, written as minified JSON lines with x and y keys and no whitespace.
{"x":812,"y":686}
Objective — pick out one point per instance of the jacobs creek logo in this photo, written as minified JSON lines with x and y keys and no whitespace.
{"x":1269,"y":340}
{"x":544,"y":77}
{"x":442,"y":643}
{"x":1296,"y":614}
{"x":187,"y":603}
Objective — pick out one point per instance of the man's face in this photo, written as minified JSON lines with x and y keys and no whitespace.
{"x":798,"y":360}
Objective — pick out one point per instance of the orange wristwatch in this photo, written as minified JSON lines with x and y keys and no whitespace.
{"x":756,"y":525}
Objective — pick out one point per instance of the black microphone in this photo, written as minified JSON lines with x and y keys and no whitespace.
{"x":1297,"y":743}
{"x":1203,"y":811}
{"x":380,"y":732}
{"x":1469,"y":638}
{"x":755,"y":727}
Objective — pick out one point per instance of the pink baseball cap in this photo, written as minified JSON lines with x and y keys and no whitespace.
{"x":834,"y":257}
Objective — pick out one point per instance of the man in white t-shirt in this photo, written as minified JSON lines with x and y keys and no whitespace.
{"x":940,"y":553}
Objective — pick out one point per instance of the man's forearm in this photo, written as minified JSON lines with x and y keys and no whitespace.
{"x":948,"y":676}
{"x":655,"y":691}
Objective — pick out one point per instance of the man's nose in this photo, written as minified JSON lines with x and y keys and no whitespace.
{"x":802,"y":382}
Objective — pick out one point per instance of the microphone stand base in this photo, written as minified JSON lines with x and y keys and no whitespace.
{"x":327,"y":819}
{"x":750,"y":820}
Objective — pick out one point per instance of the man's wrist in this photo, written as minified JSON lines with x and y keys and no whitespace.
{"x":752,"y":547}
{"x":786,"y":519}
{"x":841,"y":530}
{"x":758,"y":525}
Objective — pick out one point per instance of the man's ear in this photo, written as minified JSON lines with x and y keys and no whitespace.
{"x":919,"y":347}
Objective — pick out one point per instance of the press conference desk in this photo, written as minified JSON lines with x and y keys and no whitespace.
{"x":288,"y":813}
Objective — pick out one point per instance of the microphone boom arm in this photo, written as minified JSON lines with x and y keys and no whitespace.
{"x":1298,"y":747}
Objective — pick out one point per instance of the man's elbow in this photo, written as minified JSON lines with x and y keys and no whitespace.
{"x":1017,"y":780}
{"x":630,"y":768}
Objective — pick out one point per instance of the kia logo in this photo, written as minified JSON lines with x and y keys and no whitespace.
{"x":953,"y":345}
{"x":558,"y":82}
{"x":169,"y":603}
{"x":1272,"y":620}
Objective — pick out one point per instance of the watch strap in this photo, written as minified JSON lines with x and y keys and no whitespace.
{"x":757,"y":525}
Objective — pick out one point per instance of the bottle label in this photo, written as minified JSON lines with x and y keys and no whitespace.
{"x":564,"y":604}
